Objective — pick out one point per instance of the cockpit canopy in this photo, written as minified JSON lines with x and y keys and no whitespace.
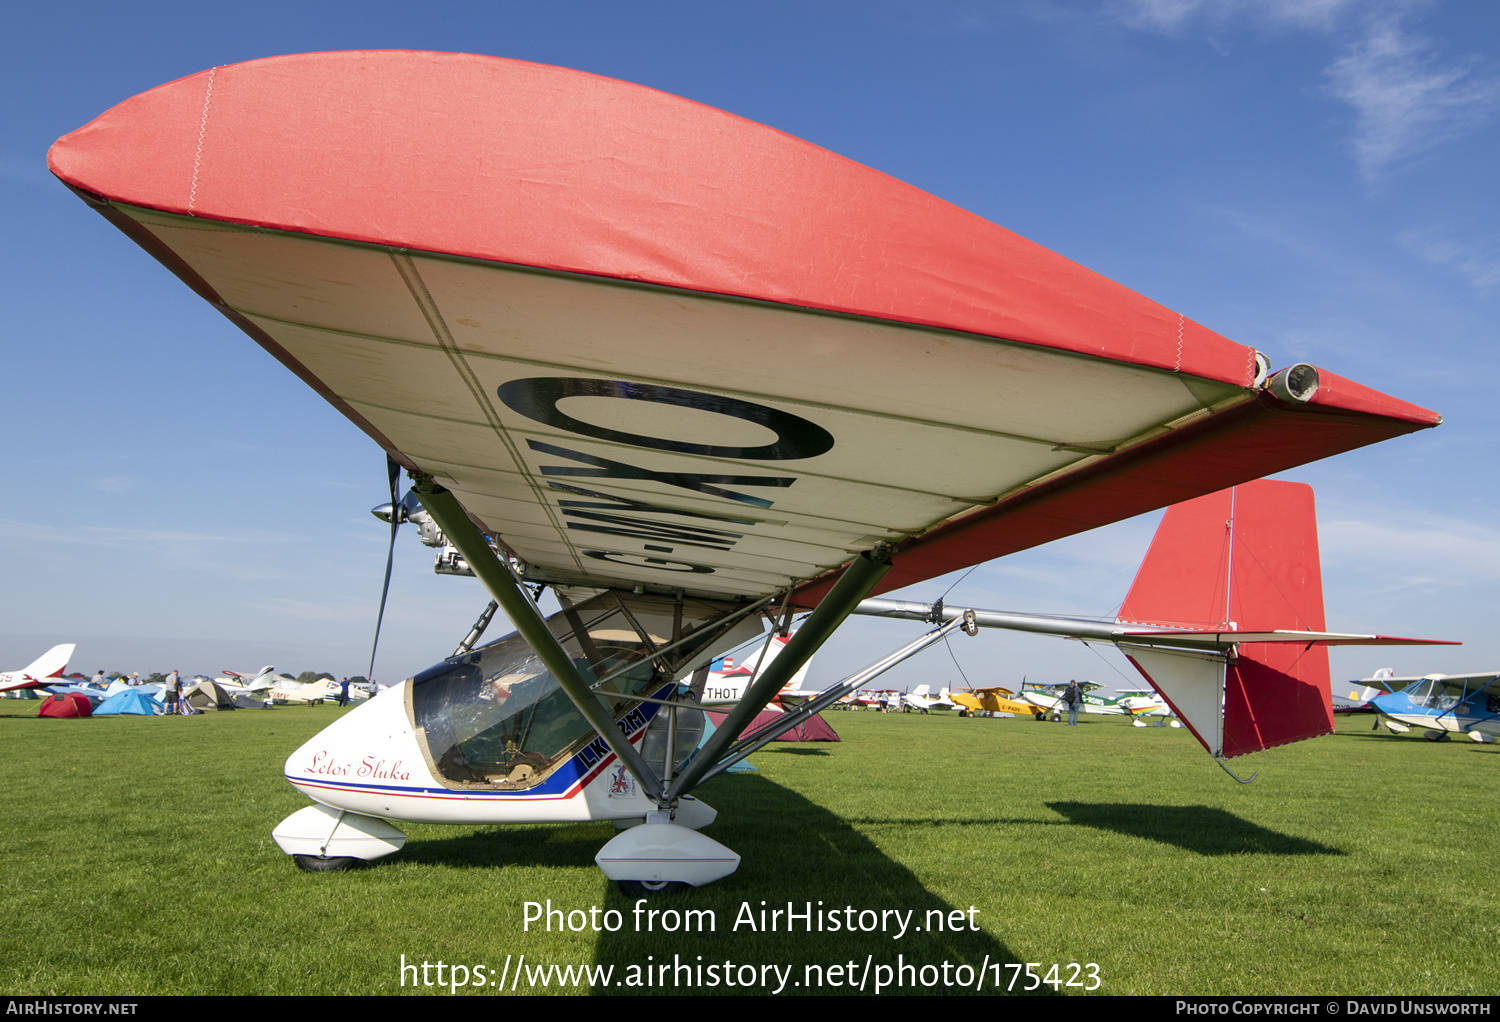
{"x":497,"y":719}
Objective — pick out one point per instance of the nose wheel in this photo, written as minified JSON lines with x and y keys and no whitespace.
{"x":651,"y":888}
{"x":320,"y":864}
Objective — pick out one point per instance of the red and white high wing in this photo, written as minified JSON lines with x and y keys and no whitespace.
{"x":655,"y":351}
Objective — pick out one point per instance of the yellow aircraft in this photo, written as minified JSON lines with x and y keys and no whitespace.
{"x":992,"y":700}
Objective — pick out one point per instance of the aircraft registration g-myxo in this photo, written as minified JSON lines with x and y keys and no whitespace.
{"x":684,"y":369}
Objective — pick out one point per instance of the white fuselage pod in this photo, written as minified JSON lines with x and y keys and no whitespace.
{"x":369,"y":762}
{"x":490,"y":736}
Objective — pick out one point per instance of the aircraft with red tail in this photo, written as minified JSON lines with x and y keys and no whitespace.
{"x":1224,"y":619}
{"x":688,"y":372}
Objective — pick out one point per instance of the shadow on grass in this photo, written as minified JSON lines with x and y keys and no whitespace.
{"x":793,"y":850}
{"x":1201,"y":829}
{"x":800,"y":752}
{"x":561,"y":844}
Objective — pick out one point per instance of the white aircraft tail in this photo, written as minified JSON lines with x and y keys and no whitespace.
{"x":759,"y":661}
{"x":729,"y":680}
{"x":52,"y":663}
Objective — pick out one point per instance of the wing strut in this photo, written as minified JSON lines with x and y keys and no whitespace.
{"x":862,"y":575}
{"x":761,"y":738}
{"x":523,"y":613}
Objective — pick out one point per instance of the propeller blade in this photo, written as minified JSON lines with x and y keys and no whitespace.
{"x":393,"y":471}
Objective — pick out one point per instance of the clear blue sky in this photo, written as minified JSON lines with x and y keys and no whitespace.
{"x":1312,"y":177}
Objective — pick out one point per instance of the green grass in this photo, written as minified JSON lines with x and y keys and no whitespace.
{"x":138,"y":860}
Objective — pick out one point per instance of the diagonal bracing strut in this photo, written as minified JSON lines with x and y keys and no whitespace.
{"x":854,"y":585}
{"x":753,"y":743}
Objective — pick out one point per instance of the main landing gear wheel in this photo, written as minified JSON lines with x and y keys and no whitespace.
{"x":1056,"y":717}
{"x":320,"y":864}
{"x":1435,"y":736}
{"x":651,"y":888}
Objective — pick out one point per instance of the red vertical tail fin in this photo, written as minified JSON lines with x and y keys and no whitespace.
{"x":1242,"y":559}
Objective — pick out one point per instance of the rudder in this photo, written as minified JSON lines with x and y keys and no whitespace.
{"x":1243,"y":559}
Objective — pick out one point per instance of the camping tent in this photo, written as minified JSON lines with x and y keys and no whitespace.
{"x":129,"y":702}
{"x":814,"y":729}
{"x":69,"y":704}
{"x":207,"y":695}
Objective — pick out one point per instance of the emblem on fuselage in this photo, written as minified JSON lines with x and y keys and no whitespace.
{"x":622,"y":784}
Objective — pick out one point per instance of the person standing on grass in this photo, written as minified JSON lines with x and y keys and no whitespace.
{"x":169,"y":691}
{"x":344,"y":692}
{"x":1072,"y":695}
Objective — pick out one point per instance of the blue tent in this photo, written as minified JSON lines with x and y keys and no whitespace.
{"x":129,"y":702}
{"x":708,"y":729}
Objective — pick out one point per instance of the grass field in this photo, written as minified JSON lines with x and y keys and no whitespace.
{"x":138,"y":860}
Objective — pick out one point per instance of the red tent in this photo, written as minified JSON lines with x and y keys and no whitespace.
{"x":814,"y":729}
{"x":69,"y":704}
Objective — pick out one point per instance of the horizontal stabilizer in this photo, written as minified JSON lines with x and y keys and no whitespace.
{"x":1223,"y":640}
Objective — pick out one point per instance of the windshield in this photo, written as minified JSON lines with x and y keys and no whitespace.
{"x":498,"y":719}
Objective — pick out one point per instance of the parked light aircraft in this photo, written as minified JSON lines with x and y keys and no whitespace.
{"x":1135,"y":702}
{"x":1142,"y":703}
{"x":922,"y":699}
{"x":284,"y":688}
{"x":1443,"y":704}
{"x":872,"y":699}
{"x":45,"y":669}
{"x":1048,"y":697}
{"x":685,"y":370}
{"x":260,"y":681}
{"x":994,"y":700}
